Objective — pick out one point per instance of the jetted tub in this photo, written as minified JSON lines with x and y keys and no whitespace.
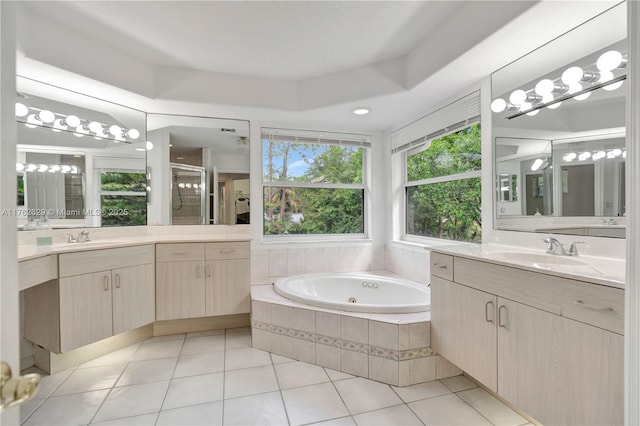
{"x":356,"y":292}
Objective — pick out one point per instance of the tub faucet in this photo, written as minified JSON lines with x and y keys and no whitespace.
{"x":556,"y":247}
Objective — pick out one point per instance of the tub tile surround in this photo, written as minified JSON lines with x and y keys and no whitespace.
{"x":393,"y":349}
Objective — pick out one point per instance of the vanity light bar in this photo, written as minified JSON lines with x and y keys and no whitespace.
{"x":594,"y":155}
{"x":34,"y":117}
{"x":52,"y":168}
{"x":575,"y":82}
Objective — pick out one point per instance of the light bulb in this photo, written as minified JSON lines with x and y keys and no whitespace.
{"x":609,"y":61}
{"x":74,"y":169}
{"x":599,"y":154}
{"x":605,"y":76}
{"x":360,"y":111}
{"x":534,"y":112}
{"x":96,"y":127}
{"x":613,"y":86}
{"x":43,"y":167}
{"x":544,"y":87}
{"x":554,"y":106}
{"x":572,"y":75}
{"x":518,"y":97}
{"x":46,"y":116}
{"x":19,"y":167}
{"x":547,"y":98}
{"x":536,"y":164}
{"x":21,"y":110}
{"x":82,"y":130}
{"x":575,"y":88}
{"x":195,"y":186}
{"x":498,"y":105}
{"x":584,"y":155}
{"x":617,"y":152}
{"x":133,"y":134}
{"x":181,"y":185}
{"x":525,"y":106}
{"x":115,"y":130}
{"x":54,"y":168}
{"x":582,"y":97}
{"x":569,"y":157}
{"x":149,"y":145}
{"x":72,"y":121}
{"x":58,"y":125}
{"x":624,"y":154}
{"x":65,"y":168}
{"x":31,"y":167}
{"x":188,"y":186}
{"x":33,"y":121}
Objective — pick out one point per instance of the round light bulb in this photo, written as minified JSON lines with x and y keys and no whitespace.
{"x":96,"y":127}
{"x":33,"y":121}
{"x":54,"y":168}
{"x":498,"y":105}
{"x":575,"y":88}
{"x":605,"y":76}
{"x":518,"y":97}
{"x":181,"y":185}
{"x":46,"y":116}
{"x":613,"y":86}
{"x":21,"y":110}
{"x":195,"y":186}
{"x":547,"y":98}
{"x":609,"y":61}
{"x":31,"y":167}
{"x":534,"y":112}
{"x":189,"y":186}
{"x":624,"y":154}
{"x":43,"y":167}
{"x":115,"y":130}
{"x":149,"y":145}
{"x":58,"y":125}
{"x":554,"y":106}
{"x":544,"y":87}
{"x":572,"y":75}
{"x":65,"y":168}
{"x":133,"y":134}
{"x":582,"y":97}
{"x":617,"y":152}
{"x":525,"y":106}
{"x":72,"y":121}
{"x":360,"y":111}
{"x":598,"y":155}
{"x":19,"y":167}
{"x":584,"y":156}
{"x":570,"y":157}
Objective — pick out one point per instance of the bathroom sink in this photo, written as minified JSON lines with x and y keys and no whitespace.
{"x":87,"y":244}
{"x":538,"y":258}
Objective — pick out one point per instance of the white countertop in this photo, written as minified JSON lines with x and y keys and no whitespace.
{"x":597,"y":270}
{"x":27,"y":252}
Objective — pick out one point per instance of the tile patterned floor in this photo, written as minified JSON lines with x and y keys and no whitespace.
{"x":216,"y":377}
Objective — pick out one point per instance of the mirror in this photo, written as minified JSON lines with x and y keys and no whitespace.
{"x":199,"y":170}
{"x":81,"y":161}
{"x":558,"y":126}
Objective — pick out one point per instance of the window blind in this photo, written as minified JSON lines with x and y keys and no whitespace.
{"x":450,"y":118}
{"x":311,"y":137}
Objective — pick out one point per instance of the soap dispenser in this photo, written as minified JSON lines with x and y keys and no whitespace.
{"x":44,"y":236}
{"x":31,"y":224}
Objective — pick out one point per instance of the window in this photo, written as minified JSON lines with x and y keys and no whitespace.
{"x":437,"y":173}
{"x":123,"y":198}
{"x":313,"y":183}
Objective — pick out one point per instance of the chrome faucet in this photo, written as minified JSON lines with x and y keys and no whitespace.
{"x":556,"y":247}
{"x":83,"y":236}
{"x":610,"y":221}
{"x":71,"y":238}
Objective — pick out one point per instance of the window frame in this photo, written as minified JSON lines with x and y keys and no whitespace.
{"x":99,"y":192}
{"x":322,"y":138}
{"x":402,"y":157}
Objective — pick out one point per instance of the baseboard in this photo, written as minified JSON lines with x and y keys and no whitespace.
{"x":191,"y":325}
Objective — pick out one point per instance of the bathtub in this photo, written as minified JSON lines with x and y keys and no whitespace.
{"x":356,"y":292}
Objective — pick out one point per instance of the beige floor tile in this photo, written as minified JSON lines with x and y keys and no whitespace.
{"x":246,"y":358}
{"x":194,"y":390}
{"x":337,"y":375}
{"x":191,"y":365}
{"x":155,"y":350}
{"x":74,"y":409}
{"x":447,"y":410}
{"x":458,"y":383}
{"x":117,"y":357}
{"x":313,"y":403}
{"x":129,"y":401}
{"x":296,"y":374}
{"x":204,"y":344}
{"x":164,"y":338}
{"x":397,"y":415}
{"x":494,"y":410}
{"x":361,"y":395}
{"x":89,"y":379}
{"x":193,"y":415}
{"x":152,"y":370}
{"x":421,"y":391}
{"x":142,"y":420}
{"x":238,"y":340}
{"x":249,"y":381}
{"x":342,"y":421}
{"x":262,"y":409}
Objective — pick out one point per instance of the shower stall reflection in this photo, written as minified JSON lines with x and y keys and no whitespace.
{"x":188,"y":195}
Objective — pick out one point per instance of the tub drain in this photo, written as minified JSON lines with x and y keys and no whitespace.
{"x":352,"y":300}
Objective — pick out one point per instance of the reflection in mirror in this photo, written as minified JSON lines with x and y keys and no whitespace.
{"x":558,"y":125}
{"x":199,"y":170}
{"x":79,"y":160}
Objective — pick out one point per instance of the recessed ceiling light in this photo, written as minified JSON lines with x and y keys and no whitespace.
{"x":361,"y":111}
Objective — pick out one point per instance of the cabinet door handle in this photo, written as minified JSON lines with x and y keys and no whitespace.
{"x":105,"y":281}
{"x":208,"y":270}
{"x":117,"y":280}
{"x":440,"y":266}
{"x":592,"y":307}
{"x":500,"y":323}
{"x":486,"y":311}
{"x":227,"y":250}
{"x":198,"y":271}
{"x":178,"y":253}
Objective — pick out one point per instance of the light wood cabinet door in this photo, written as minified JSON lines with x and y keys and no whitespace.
{"x":463,"y":328}
{"x":530,"y":359}
{"x":227,"y":287}
{"x":85,"y":309}
{"x":180,"y":290}
{"x":134,"y":297}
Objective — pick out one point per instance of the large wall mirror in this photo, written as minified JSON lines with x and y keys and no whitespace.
{"x":199,"y":170}
{"x":81,"y":161}
{"x":558,"y":118}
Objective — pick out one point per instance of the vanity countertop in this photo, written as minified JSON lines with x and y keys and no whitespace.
{"x":597,"y":270}
{"x":27,"y":252}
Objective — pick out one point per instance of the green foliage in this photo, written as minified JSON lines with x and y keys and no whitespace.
{"x":123,"y":182}
{"x":450,"y":209}
{"x":123,"y":210}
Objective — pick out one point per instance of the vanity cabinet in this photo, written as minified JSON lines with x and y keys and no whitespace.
{"x":198,"y":279}
{"x":549,"y":345}
{"x":99,"y":293}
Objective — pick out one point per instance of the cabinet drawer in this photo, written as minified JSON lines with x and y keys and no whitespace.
{"x":597,"y":305}
{"x":232,"y":250}
{"x":90,"y":261}
{"x":179,"y":252}
{"x":442,"y":266}
{"x":37,"y":271}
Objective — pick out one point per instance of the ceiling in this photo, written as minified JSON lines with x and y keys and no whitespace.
{"x":302,"y":62}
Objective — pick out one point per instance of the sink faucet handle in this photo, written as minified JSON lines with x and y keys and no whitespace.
{"x":573,"y":250}
{"x":71,"y":238}
{"x":552,"y":243}
{"x":83,"y":236}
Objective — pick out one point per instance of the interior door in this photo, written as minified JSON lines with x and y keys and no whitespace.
{"x":578,"y":190}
